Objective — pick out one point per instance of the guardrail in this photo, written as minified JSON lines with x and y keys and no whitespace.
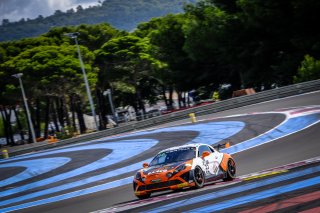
{"x":232,"y":103}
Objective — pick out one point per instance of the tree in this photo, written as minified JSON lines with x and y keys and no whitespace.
{"x":309,"y":70}
{"x":5,"y":22}
{"x":124,"y":15}
{"x":52,"y":73}
{"x":79,"y":8}
{"x":1,"y":128}
{"x":58,"y":13}
{"x":168,"y":39}
{"x":70,"y":11}
{"x":279,"y":33}
{"x":91,"y":36}
{"x":127,"y":66}
{"x":252,"y":43}
{"x":213,"y":41}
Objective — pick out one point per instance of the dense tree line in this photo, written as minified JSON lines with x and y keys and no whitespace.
{"x":124,"y":15}
{"x":241,"y":43}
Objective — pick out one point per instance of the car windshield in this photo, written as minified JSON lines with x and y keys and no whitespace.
{"x":176,"y":155}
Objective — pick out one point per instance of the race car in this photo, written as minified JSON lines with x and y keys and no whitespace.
{"x":187,"y":166}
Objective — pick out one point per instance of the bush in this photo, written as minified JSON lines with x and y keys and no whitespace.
{"x":309,"y":70}
{"x":67,"y":132}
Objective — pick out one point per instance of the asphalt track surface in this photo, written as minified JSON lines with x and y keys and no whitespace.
{"x":281,"y":131}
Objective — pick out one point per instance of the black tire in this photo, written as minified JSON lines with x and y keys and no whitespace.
{"x":198,"y":177}
{"x":231,"y":170}
{"x":146,"y":196}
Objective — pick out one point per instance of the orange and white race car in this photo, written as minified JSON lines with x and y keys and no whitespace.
{"x":184,"y":166}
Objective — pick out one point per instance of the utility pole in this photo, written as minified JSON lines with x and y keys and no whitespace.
{"x":75,"y":37}
{"x":18,"y":76}
{"x":108,"y":92}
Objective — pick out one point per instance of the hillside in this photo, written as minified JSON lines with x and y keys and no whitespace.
{"x":121,"y":14}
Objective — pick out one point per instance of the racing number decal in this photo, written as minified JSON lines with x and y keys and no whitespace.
{"x":206,"y":165}
{"x":212,"y":168}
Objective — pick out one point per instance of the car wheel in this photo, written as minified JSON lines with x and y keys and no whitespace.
{"x":231,"y":170}
{"x":198,"y":177}
{"x":143,"y":196}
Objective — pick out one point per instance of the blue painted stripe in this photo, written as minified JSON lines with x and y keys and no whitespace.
{"x":81,"y":182}
{"x":292,"y":125}
{"x":33,"y":168}
{"x":209,"y":133}
{"x":90,"y":146}
{"x":214,"y":132}
{"x":90,"y":190}
{"x":221,"y":129}
{"x":259,"y":195}
{"x":122,"y":150}
{"x":236,"y":189}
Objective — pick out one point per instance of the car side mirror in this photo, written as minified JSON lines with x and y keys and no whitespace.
{"x":205,"y":154}
{"x":145,"y":165}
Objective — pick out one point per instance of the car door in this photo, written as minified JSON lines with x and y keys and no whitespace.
{"x":210,"y":163}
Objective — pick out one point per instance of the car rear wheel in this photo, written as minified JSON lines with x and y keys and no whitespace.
{"x":198,"y":177}
{"x":143,"y":196}
{"x":231,"y":170}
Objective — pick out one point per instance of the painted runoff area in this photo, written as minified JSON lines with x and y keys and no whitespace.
{"x":243,"y":188}
{"x":209,"y":133}
{"x":125,"y":149}
{"x":260,"y":195}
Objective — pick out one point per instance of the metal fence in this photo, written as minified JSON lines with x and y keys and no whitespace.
{"x":232,"y":103}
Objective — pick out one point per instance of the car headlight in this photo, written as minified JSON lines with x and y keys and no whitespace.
{"x":169,"y":175}
{"x":138,"y":176}
{"x":179,"y":168}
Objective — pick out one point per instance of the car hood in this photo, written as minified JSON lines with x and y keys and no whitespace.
{"x":161,"y":168}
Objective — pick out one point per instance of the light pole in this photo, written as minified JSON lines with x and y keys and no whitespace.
{"x":108,"y":92}
{"x":18,"y":76}
{"x":75,"y":37}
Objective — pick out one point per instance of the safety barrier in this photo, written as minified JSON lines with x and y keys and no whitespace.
{"x":232,"y":103}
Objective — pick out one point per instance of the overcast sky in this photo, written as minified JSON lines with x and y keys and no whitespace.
{"x":14,"y":10}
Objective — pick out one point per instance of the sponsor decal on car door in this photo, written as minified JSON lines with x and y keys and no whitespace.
{"x":211,"y":164}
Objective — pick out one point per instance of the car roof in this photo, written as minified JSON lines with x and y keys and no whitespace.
{"x":183,"y":146}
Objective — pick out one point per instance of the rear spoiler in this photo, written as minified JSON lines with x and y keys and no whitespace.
{"x":221,"y":146}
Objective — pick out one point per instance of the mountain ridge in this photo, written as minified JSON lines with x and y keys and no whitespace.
{"x":121,"y":14}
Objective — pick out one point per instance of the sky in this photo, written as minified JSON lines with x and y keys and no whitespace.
{"x":14,"y":10}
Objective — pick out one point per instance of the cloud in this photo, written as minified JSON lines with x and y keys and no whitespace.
{"x":14,"y":10}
